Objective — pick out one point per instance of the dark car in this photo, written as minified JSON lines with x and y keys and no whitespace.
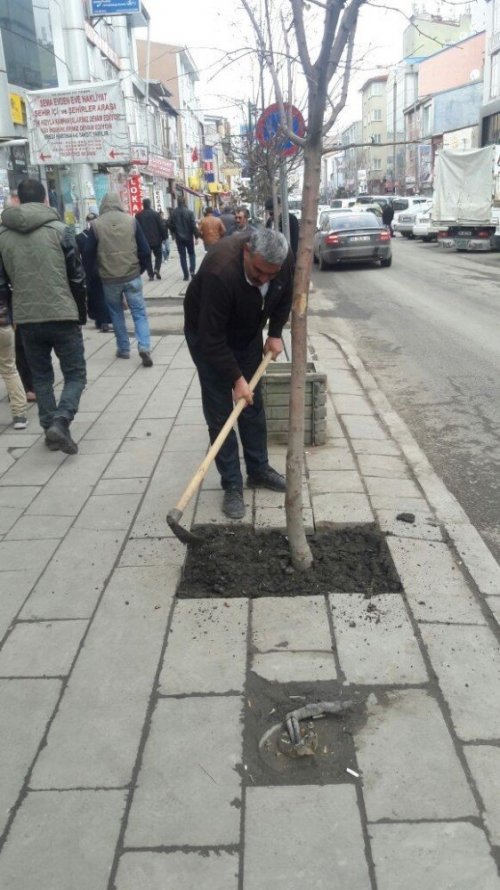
{"x":351,"y":237}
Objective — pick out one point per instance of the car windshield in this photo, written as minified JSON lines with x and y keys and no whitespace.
{"x":351,"y":221}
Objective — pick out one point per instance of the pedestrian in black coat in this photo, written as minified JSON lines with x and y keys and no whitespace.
{"x":96,"y":304}
{"x":388,"y":216}
{"x":150,"y":223}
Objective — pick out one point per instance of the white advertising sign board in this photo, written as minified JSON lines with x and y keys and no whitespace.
{"x":78,"y":125}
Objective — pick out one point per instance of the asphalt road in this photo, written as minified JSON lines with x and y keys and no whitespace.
{"x":428,"y":329}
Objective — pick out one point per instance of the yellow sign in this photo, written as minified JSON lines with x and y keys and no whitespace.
{"x":17,"y":108}
{"x":194,"y":182}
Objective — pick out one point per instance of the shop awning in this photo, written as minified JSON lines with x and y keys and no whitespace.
{"x":186,"y":188}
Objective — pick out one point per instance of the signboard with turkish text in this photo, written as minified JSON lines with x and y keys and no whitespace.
{"x":115,"y":7}
{"x":78,"y":125}
{"x":162,"y":167}
{"x":134,"y":194}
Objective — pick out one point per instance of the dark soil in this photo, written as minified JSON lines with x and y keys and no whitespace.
{"x":237,"y":561}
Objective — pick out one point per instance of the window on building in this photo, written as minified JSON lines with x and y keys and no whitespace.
{"x":377,"y":114}
{"x":28,"y":44}
{"x":426,"y":120}
{"x":376,"y":164}
{"x":375,"y":89}
{"x":495,"y":76}
{"x":376,"y":138}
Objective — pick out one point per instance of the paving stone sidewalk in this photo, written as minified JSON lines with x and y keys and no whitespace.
{"x":123,"y":733}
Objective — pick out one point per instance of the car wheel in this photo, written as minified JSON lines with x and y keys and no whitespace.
{"x":387,"y":262}
{"x":322,"y":265}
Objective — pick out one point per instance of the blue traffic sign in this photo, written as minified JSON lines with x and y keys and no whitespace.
{"x":269,"y":125}
{"x":115,"y":7}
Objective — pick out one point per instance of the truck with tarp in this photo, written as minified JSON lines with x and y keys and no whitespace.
{"x":466,"y":202}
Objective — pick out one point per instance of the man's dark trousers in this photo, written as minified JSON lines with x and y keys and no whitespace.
{"x":65,"y":338}
{"x":186,"y":247}
{"x":217,"y":401}
{"x":158,"y":255}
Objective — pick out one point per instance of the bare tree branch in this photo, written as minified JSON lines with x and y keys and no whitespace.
{"x":336,"y":109}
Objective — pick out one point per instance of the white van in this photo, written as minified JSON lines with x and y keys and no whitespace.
{"x":405,"y":212}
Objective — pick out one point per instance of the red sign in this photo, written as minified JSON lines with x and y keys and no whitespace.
{"x":134,"y":194}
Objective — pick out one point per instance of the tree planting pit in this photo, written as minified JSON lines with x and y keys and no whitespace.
{"x":234,"y":561}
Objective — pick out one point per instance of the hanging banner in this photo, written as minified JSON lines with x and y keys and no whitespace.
{"x":208,"y":163}
{"x":78,"y":125}
{"x":134,"y":194}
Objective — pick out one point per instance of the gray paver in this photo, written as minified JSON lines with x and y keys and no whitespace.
{"x":390,"y":487}
{"x":341,"y":508}
{"x":41,"y":648}
{"x":17,"y":495}
{"x":15,"y":555}
{"x":121,"y":486}
{"x":363,"y":427}
{"x":294,"y":667}
{"x":424,"y":526}
{"x":383,"y":466}
{"x":14,"y":587}
{"x":375,"y":639}
{"x":352,"y":404}
{"x":345,"y":382}
{"x":20,"y":734}
{"x":112,"y":511}
{"x":375,"y":446}
{"x":136,"y":457}
{"x":153,"y":552}
{"x":304,"y":836}
{"x":31,"y":528}
{"x":323,"y":481}
{"x":178,"y":871}
{"x":94,"y":738}
{"x":290,"y":624}
{"x":443,"y":855}
{"x":35,"y":467}
{"x":339,"y":458}
{"x":188,"y":785}
{"x":467,"y":663}
{"x":410,"y":769}
{"x":73,"y":844}
{"x":484,"y":763}
{"x":215,"y":635}
{"x":8,"y":518}
{"x":74,"y":579}
{"x":481,"y":564}
{"x":434,"y":584}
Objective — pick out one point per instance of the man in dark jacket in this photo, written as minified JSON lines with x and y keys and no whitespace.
{"x":117,"y":246}
{"x":242,"y":284}
{"x":292,"y":222}
{"x":150,"y":223}
{"x":228,"y":218}
{"x":183,"y":227}
{"x":40,"y":262}
{"x":388,"y":216}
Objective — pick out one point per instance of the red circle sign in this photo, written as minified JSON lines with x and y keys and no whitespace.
{"x":268,"y":127}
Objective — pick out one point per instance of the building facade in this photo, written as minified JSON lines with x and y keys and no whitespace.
{"x":373,"y":174}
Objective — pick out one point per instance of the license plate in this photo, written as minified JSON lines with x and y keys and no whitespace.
{"x":464,"y":234}
{"x":360,"y":238}
{"x":462,"y":243}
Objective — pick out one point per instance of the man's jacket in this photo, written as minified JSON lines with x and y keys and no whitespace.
{"x":116,"y":243}
{"x":223,"y":313}
{"x":40,"y":262}
{"x":150,"y":223}
{"x":183,"y":225}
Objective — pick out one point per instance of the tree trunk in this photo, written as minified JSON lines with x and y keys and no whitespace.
{"x":300,"y":551}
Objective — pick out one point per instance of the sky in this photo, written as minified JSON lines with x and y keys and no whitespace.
{"x":212,"y":30}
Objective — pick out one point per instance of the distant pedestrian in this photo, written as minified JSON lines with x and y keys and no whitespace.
{"x":39,"y":260}
{"x":150,"y":223}
{"x":8,"y":369}
{"x":165,"y":241}
{"x":293,"y":224}
{"x":211,"y":228}
{"x":243,"y":224}
{"x":388,"y":216}
{"x":183,"y":226}
{"x":118,"y":249}
{"x":227,"y":217}
{"x":96,"y":303}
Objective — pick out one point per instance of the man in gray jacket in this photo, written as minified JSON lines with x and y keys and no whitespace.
{"x":118,"y":248}
{"x":40,"y":263}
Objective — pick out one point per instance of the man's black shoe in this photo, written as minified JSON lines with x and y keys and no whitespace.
{"x":233,"y":505}
{"x":158,"y":276}
{"x":52,"y":446}
{"x":58,"y":433}
{"x":146,"y":359}
{"x":268,"y":478}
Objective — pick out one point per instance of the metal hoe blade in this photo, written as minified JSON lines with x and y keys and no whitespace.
{"x":183,"y":534}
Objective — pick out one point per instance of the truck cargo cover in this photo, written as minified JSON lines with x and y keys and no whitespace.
{"x":464,"y":185}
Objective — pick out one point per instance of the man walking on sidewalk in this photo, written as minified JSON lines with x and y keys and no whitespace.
{"x":40,"y":262}
{"x":8,"y":369}
{"x":150,"y":223}
{"x":183,"y":227}
{"x":118,"y":247}
{"x":242,"y":284}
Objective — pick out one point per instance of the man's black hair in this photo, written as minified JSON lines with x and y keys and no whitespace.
{"x":31,"y":191}
{"x":146,"y":203}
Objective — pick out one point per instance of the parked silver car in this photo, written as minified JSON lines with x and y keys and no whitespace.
{"x":351,"y":237}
